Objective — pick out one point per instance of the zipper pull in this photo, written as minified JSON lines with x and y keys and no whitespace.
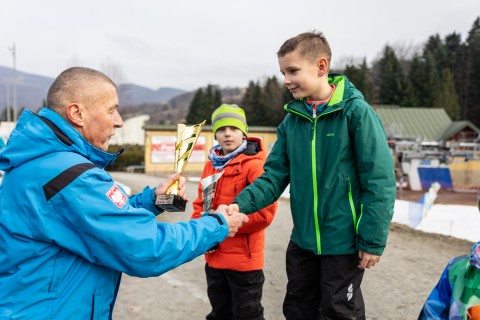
{"x":314,"y":114}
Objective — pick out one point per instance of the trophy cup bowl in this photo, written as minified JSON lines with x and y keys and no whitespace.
{"x":186,"y":138}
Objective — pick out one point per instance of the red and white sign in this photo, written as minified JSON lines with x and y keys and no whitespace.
{"x":163,"y":150}
{"x":116,"y":196}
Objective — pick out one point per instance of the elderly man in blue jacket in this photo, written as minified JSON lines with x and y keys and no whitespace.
{"x":67,"y":231}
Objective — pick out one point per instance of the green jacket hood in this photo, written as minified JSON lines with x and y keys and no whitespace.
{"x":345,"y":90}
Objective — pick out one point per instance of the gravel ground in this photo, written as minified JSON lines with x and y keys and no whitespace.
{"x":394,"y":289}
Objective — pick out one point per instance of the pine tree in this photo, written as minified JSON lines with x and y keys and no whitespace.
{"x":204,"y":104}
{"x":457,"y":63}
{"x":392,"y":82}
{"x":473,"y":77}
{"x":272,"y":100}
{"x":431,"y":84}
{"x":360,"y":77}
{"x":410,"y":97}
{"x":446,"y":97}
{"x":415,"y":95}
{"x":195,"y":114}
{"x":252,"y":104}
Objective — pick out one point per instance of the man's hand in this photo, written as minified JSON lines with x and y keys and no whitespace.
{"x":234,"y":220}
{"x":367,"y":260}
{"x":233,"y":208}
{"x":163,"y":187}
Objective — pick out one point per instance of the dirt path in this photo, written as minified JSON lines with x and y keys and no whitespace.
{"x":394,"y":289}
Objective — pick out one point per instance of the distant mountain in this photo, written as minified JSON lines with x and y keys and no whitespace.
{"x":164,"y":105}
{"x":132,"y":94}
{"x":32,"y":90}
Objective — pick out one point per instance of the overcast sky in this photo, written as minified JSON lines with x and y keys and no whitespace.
{"x":188,"y":44}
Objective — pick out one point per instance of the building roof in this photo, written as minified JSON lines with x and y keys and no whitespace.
{"x":457,"y":126}
{"x":416,"y":123}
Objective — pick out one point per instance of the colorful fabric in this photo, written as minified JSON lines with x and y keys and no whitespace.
{"x":340,"y":171}
{"x":229,"y":115}
{"x":456,"y":291}
{"x":67,"y":231}
{"x":218,"y":161}
{"x":475,"y":258}
{"x":245,"y":251}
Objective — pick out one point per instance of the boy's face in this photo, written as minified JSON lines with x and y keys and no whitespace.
{"x":229,"y":139}
{"x":304,"y":77}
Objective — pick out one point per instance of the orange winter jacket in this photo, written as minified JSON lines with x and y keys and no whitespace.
{"x":245,"y":251}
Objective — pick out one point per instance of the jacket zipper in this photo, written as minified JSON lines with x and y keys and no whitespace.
{"x":314,"y":173}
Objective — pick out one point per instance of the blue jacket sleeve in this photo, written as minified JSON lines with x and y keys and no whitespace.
{"x":146,"y":200}
{"x":107,"y":230}
{"x":438,"y":302}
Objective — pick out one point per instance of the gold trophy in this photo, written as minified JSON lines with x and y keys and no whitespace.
{"x":186,"y":139}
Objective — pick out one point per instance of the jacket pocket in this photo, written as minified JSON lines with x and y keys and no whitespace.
{"x":352,"y":205}
{"x":246,"y":246}
{"x":100,"y":309}
{"x":58,"y":273}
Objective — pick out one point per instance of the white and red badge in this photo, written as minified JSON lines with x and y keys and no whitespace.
{"x":117,"y":196}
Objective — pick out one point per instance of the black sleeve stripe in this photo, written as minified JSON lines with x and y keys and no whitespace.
{"x":56,"y":185}
{"x":216,"y":217}
{"x":60,"y":135}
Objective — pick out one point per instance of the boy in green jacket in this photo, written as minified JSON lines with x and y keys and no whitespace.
{"x":332,"y":150}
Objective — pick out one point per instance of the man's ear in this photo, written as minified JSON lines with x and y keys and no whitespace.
{"x":75,"y":114}
{"x":322,"y":65}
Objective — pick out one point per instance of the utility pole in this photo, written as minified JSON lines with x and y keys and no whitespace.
{"x":7,"y":87}
{"x":12,"y":50}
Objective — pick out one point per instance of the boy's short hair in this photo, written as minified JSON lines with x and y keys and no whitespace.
{"x":311,"y":45}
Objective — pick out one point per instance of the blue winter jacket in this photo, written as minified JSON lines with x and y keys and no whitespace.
{"x":457,"y":290}
{"x":67,"y":231}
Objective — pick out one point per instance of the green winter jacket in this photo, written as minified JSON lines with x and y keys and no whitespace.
{"x":340,"y":171}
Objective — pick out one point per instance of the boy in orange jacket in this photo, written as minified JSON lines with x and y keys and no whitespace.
{"x":234,"y":269}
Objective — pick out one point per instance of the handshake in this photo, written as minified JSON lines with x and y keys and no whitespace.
{"x":231,"y":213}
{"x":234,"y":218}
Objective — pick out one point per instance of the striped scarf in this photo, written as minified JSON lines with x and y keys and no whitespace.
{"x":218,"y":161}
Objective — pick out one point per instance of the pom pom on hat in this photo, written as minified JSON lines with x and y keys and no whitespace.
{"x":229,"y":115}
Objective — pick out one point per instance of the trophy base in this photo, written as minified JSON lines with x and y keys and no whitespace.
{"x":170,"y":202}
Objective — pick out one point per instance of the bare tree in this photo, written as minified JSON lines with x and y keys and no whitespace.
{"x":113,"y":70}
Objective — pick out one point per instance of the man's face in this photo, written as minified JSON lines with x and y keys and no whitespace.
{"x":301,"y":75}
{"x":101,"y":115}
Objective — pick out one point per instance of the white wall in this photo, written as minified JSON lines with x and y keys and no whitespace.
{"x":131,"y":132}
{"x":5,"y":129}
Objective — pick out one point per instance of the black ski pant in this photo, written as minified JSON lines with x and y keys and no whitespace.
{"x":322,"y":286}
{"x":235,"y":295}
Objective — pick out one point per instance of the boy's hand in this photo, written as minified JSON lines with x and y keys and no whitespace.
{"x":234,"y":220}
{"x":163,"y":187}
{"x":233,"y":208}
{"x":367,"y":260}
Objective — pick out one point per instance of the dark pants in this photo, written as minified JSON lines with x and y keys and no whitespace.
{"x":235,"y":294}
{"x":322,"y":287}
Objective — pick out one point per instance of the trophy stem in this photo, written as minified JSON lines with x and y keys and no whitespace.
{"x":186,"y":139}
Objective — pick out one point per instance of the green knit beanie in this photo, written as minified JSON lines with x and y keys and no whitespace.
{"x":229,"y":115}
